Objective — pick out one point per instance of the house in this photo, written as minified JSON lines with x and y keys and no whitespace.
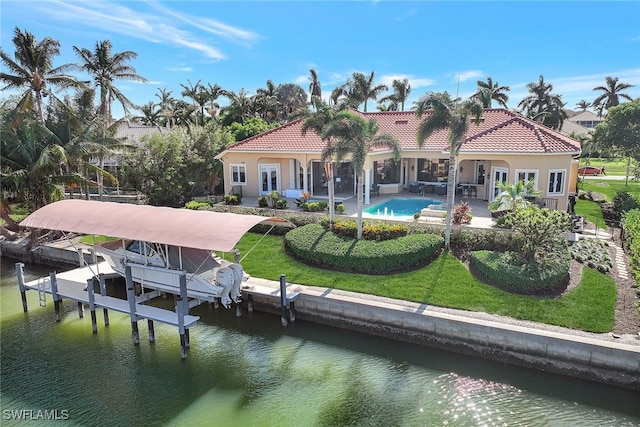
{"x":130,"y":134}
{"x":586,"y":119}
{"x":504,"y":147}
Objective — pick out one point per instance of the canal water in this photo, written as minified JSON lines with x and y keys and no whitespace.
{"x":250,"y":371}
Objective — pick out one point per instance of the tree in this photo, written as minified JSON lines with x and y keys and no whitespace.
{"x":106,"y":67}
{"x":151,"y":114}
{"x":252,"y":126}
{"x":514,"y":196}
{"x":33,"y":70}
{"x":239,"y":109}
{"x":360,"y":88}
{"x":612,"y":94}
{"x":170,"y":168}
{"x":544,"y":106}
{"x":292,"y":99}
{"x":620,"y":130}
{"x":401,"y":91}
{"x":489,"y":91}
{"x":317,"y":121}
{"x":348,"y":134}
{"x":167,"y":106}
{"x":31,"y":159}
{"x":583,"y":105}
{"x":199,"y":98}
{"x":315,"y":89}
{"x":441,"y":112}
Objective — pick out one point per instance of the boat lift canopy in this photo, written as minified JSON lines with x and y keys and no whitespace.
{"x":213,"y":231}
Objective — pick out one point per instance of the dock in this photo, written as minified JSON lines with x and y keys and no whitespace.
{"x":78,"y":285}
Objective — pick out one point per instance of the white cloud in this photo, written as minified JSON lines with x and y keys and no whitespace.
{"x":467,"y":75}
{"x":155,"y":28}
{"x":415,"y":82}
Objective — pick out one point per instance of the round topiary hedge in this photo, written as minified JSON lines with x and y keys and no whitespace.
{"x":509,"y":271}
{"x":315,"y":245}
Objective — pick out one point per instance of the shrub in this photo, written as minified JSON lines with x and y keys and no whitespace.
{"x":315,"y":245}
{"x":593,"y":253}
{"x":462,"y":213}
{"x":273,"y":198}
{"x":370,"y":230}
{"x":281,"y":204}
{"x":475,"y":240}
{"x":233,"y":199}
{"x":542,"y":230}
{"x":511,"y":272}
{"x":262,"y":202}
{"x":631,"y":230}
{"x":198,"y":204}
{"x":340,"y":208}
{"x":313,"y":206}
{"x":624,"y":202}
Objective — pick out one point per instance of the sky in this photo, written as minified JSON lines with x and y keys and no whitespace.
{"x":437,"y":45}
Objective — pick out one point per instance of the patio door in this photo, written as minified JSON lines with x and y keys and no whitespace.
{"x":498,"y":176}
{"x":269,"y":178}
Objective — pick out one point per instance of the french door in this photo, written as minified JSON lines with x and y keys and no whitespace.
{"x":498,"y":176}
{"x":269,"y":178}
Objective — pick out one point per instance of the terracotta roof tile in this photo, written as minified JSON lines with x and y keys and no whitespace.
{"x":500,"y":131}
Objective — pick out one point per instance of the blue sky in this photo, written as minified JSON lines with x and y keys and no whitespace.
{"x":574,"y":45}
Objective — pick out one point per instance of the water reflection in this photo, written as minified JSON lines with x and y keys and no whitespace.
{"x":251,"y":371}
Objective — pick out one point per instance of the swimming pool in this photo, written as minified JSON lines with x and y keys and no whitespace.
{"x":401,"y":207}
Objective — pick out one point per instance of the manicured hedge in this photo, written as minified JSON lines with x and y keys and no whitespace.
{"x":509,"y":271}
{"x":315,"y":245}
{"x":631,"y":229}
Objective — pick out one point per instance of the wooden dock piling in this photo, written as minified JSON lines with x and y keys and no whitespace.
{"x":23,"y":290}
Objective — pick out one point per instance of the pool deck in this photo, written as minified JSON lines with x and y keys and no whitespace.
{"x":479,"y":208}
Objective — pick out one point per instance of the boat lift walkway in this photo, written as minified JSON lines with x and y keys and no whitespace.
{"x":78,"y":285}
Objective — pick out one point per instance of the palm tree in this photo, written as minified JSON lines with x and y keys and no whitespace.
{"x":348,"y":134}
{"x":266,"y":102}
{"x":240,"y":107}
{"x":106,"y":67}
{"x":514,"y":196}
{"x":401,"y":91}
{"x":441,"y":112}
{"x":583,"y":105}
{"x":489,"y":91}
{"x":360,"y":88}
{"x":612,"y":94}
{"x":199,"y":98}
{"x":214,"y":92}
{"x":167,"y":106}
{"x":151,"y":114}
{"x":32,"y":69}
{"x":544,"y":106}
{"x":292,"y":99}
{"x":314,"y":87}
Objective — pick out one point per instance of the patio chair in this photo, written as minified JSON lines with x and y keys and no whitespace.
{"x":375,"y":190}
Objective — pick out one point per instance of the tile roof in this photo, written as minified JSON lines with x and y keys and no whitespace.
{"x":500,"y":131}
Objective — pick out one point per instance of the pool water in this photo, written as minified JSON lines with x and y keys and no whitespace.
{"x":401,"y":207}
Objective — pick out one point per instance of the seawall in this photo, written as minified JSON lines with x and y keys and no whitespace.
{"x":594,"y":357}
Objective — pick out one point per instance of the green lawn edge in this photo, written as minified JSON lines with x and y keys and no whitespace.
{"x":446,"y":282}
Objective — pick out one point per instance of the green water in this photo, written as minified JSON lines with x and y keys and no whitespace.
{"x":250,"y":371}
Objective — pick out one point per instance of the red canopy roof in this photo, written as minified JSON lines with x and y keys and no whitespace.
{"x":218,"y":231}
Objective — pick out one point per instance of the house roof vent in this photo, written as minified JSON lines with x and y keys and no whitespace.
{"x":402,"y":122}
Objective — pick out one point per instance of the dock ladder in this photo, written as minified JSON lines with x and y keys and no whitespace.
{"x":42,"y":294}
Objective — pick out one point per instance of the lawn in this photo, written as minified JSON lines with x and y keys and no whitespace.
{"x":609,"y":188}
{"x":613,"y":167}
{"x":445,"y":282}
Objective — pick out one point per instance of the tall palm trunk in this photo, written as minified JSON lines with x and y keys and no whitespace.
{"x":451,"y":193}
{"x":328,"y":170}
{"x":360,"y":197}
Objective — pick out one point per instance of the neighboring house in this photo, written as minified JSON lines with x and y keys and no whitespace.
{"x":130,"y":134}
{"x":586,"y":119}
{"x":504,"y":147}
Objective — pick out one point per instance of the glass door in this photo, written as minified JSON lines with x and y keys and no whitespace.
{"x":499,"y":176}
{"x":269,"y":178}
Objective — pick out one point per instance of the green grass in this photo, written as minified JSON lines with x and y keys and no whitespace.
{"x":613,"y":167}
{"x":591,"y":210}
{"x":445,"y":282}
{"x":90,"y":240}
